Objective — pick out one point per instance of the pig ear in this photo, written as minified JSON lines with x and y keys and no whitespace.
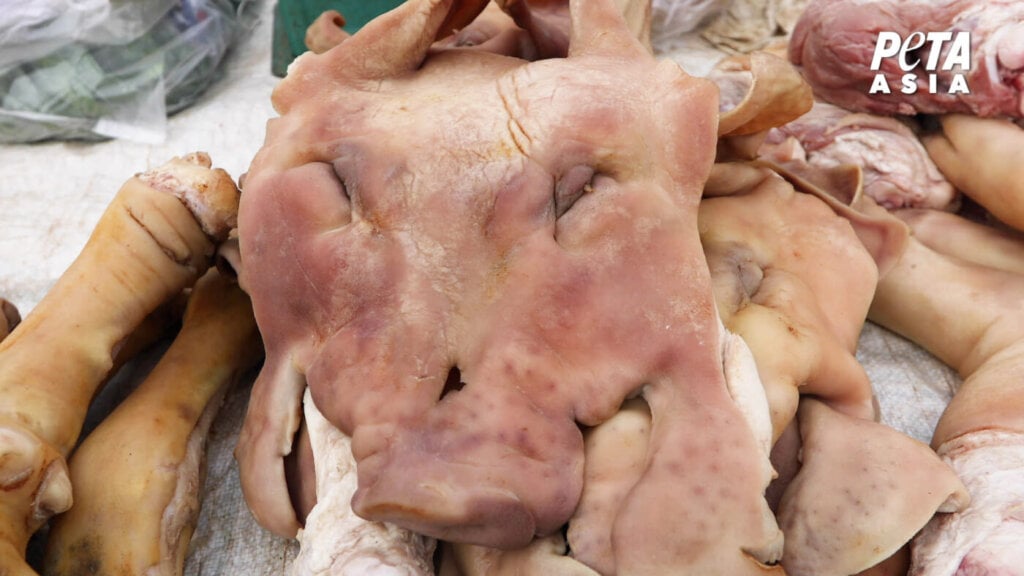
{"x":893,"y":484}
{"x":598,"y":27}
{"x":884,"y":235}
{"x":397,"y":42}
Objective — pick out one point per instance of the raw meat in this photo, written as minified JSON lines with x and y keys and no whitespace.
{"x":863,"y":491}
{"x":834,"y":43}
{"x":789,"y":274}
{"x":898,"y":173}
{"x":335,"y":540}
{"x":897,"y":170}
{"x":525,"y":233}
{"x":616,"y":451}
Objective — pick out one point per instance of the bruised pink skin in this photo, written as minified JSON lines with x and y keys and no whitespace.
{"x":834,"y":43}
{"x":534,"y":227}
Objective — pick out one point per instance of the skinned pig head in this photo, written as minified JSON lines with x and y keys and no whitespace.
{"x":793,"y":275}
{"x":789,"y":274}
{"x":465,"y":257}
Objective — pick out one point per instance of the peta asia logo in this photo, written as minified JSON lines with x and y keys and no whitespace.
{"x":946,"y":51}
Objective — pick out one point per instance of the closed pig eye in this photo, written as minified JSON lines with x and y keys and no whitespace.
{"x":571,"y":187}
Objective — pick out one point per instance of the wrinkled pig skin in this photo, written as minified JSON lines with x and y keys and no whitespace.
{"x":834,"y":43}
{"x":788,"y":273}
{"x":535,"y":229}
{"x":898,"y":172}
{"x":975,"y":325}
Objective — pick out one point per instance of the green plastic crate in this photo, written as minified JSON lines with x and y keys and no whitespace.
{"x":293,"y":17}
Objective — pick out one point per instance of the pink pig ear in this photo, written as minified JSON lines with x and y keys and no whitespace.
{"x":884,"y":235}
{"x":599,"y":28}
{"x":397,"y":42}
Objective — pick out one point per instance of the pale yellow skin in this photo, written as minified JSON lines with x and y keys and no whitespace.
{"x":137,"y":476}
{"x":789,"y":274}
{"x":982,"y":157}
{"x":862,"y":492}
{"x":147,"y":247}
{"x":956,"y":292}
{"x":974,"y":323}
{"x":793,"y":278}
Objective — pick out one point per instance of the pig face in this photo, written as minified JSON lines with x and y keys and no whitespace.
{"x":464,"y":256}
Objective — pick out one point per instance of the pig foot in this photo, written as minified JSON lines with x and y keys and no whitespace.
{"x":156,"y":238}
{"x":981,"y":157}
{"x":138,"y":475}
{"x":969,"y":241}
{"x":973,"y":324}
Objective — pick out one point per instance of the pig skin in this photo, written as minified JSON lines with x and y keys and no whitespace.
{"x":531,"y":224}
{"x":982,"y":158}
{"x":975,"y":325}
{"x":863,"y":491}
{"x":617,"y":448}
{"x":788,"y":272}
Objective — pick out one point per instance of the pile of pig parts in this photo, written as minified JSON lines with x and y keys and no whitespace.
{"x":529,"y":300}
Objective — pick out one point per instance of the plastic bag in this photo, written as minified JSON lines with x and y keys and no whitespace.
{"x":107,"y":68}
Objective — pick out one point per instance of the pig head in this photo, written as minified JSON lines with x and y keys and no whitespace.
{"x":465,"y":257}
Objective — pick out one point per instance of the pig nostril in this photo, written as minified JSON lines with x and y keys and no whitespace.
{"x":453,"y":383}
